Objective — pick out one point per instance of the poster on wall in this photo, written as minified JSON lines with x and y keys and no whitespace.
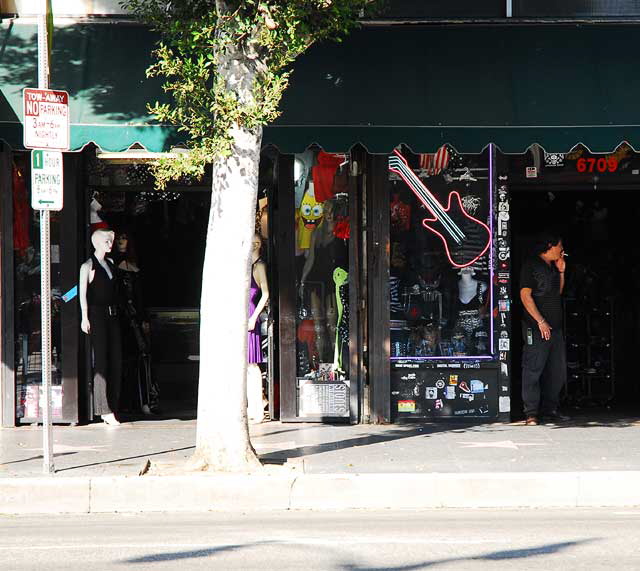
{"x":441,"y":271}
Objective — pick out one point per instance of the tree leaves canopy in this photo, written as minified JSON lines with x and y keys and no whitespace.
{"x":227,"y":63}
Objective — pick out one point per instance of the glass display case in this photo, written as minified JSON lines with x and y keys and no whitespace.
{"x":441,"y":292}
{"x":322,"y":233}
{"x":440,"y":282}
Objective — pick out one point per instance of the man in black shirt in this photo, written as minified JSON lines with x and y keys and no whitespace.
{"x":544,"y":369}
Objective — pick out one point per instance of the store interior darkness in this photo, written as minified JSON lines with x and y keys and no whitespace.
{"x":167,"y":232}
{"x":602,"y":305}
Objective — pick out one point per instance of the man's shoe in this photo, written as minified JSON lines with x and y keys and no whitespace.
{"x":555,"y":416}
{"x":532,"y":420}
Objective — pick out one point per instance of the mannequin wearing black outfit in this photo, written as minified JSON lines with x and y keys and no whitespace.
{"x":98,"y":303}
{"x":139,"y":390}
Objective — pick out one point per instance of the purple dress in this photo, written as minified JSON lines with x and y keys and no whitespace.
{"x":254,"y":349}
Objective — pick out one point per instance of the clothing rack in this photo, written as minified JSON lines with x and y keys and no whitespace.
{"x":589,"y":332}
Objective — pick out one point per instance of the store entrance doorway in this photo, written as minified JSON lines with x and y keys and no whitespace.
{"x":602,"y":292}
{"x":160,"y":237}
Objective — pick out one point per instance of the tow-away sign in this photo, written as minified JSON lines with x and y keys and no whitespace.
{"x":46,"y":119}
{"x":46,"y":180}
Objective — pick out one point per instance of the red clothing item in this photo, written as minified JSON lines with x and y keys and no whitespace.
{"x":20,"y":213}
{"x":400,"y":214}
{"x":307,"y":334}
{"x":323,"y":174}
{"x":342,"y":228}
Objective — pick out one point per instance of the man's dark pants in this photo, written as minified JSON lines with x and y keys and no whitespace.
{"x":544,"y":371}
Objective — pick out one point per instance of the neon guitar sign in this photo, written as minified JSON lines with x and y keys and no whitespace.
{"x":449,"y":223}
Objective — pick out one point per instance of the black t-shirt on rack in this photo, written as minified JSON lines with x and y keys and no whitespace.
{"x":544,"y":281}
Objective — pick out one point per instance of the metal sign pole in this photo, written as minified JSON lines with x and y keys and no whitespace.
{"x":45,"y":269}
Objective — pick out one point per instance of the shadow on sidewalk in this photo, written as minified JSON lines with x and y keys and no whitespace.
{"x":116,"y":460}
{"x":39,"y":457}
{"x":390,"y":435}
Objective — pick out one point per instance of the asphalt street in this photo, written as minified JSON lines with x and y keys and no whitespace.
{"x":340,"y":541}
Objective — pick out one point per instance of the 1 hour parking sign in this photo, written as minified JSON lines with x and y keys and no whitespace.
{"x":46,"y":180}
{"x":46,"y":119}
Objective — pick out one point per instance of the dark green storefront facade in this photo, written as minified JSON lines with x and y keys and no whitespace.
{"x":423,"y":86}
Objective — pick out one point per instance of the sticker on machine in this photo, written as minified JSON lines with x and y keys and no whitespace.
{"x":406,"y":406}
{"x":504,"y":404}
{"x":477,"y":386}
{"x":504,"y":344}
{"x":431,"y":393}
{"x":450,"y":393}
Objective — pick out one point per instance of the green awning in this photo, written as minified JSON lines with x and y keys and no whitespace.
{"x":102,"y":66}
{"x":468,"y":86}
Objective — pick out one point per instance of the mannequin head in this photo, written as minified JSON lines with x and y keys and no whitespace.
{"x":125,"y":246}
{"x":102,"y":240}
{"x":466,"y":273}
{"x":122,"y":242}
{"x":329,"y":211}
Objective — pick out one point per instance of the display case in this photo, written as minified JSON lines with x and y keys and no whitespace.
{"x":441,"y":286}
{"x":322,"y":234}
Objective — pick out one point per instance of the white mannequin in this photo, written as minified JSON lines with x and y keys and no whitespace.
{"x":102,"y":241}
{"x":468,"y":285}
{"x":255,"y":406}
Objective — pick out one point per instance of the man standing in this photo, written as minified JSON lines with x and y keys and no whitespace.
{"x":544,"y":369}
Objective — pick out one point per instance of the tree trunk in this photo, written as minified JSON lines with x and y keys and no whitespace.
{"x":222,"y":440}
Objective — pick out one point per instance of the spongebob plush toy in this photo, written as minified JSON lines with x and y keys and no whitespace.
{"x":309,"y":217}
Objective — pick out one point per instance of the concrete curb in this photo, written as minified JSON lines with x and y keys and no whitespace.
{"x":242,"y":492}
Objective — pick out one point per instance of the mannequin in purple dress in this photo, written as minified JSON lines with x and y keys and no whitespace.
{"x":258,"y":297}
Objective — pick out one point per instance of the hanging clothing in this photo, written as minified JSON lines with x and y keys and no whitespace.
{"x":106,"y":341}
{"x":326,"y":258}
{"x":400,"y":214}
{"x":254,"y":348}
{"x":306,"y":347}
{"x":20,"y":213}
{"x":469,"y":318}
{"x":323,"y":174}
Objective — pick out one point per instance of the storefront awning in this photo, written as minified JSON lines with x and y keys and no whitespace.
{"x":102,"y":66}
{"x":468,"y":86}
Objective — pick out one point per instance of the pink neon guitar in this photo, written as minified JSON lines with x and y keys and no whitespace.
{"x":447,"y":223}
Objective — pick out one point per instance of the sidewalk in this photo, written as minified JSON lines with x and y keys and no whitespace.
{"x":589,"y":461}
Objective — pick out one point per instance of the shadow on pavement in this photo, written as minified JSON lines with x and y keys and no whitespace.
{"x":537,"y":551}
{"x":116,"y":460}
{"x":389,"y":436}
{"x":39,"y":457}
